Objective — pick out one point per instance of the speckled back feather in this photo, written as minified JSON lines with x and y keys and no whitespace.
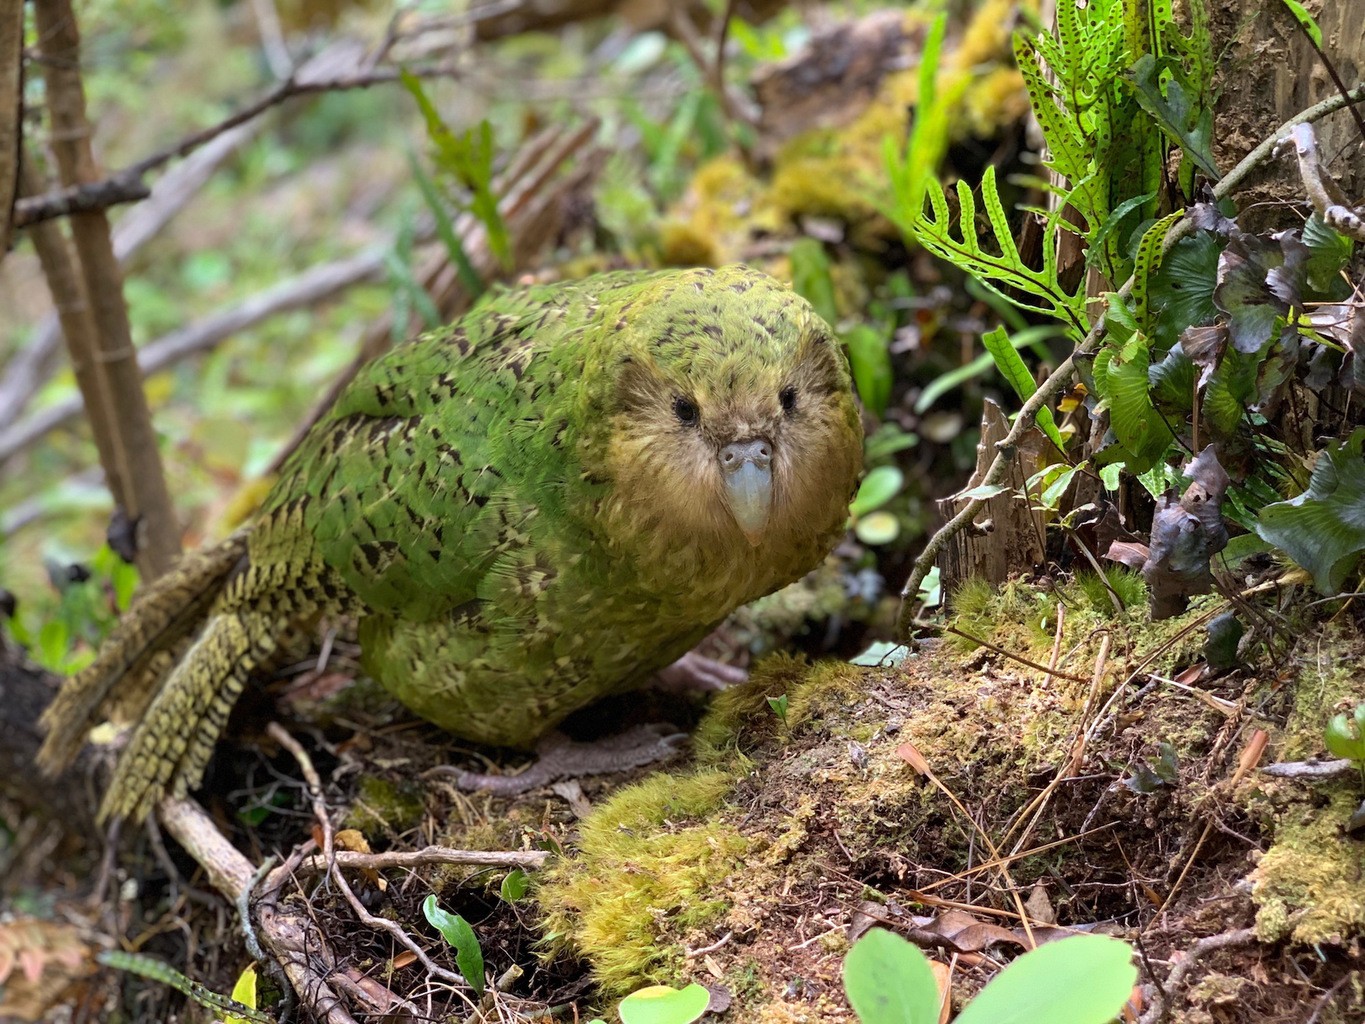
{"x":513,"y":513}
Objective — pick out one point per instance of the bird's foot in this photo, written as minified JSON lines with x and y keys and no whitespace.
{"x":695,"y":671}
{"x":558,"y":757}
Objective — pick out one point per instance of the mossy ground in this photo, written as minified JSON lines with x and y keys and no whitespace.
{"x":808,"y":826}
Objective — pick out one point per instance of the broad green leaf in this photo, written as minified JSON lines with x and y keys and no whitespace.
{"x":879,"y":486}
{"x":659,"y":1004}
{"x":1083,"y":979}
{"x":1188,"y":125}
{"x":888,"y":981}
{"x":1323,"y":529}
{"x":877,"y":528}
{"x":514,"y":885}
{"x":1345,"y":735}
{"x":811,"y":278}
{"x":456,"y":931}
{"x":1181,"y":290}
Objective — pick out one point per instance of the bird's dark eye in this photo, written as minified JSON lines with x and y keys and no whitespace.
{"x":686,"y":411}
{"x":787,"y":396}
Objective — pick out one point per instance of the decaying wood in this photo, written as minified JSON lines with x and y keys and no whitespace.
{"x":1007,"y":538}
{"x":134,"y":462}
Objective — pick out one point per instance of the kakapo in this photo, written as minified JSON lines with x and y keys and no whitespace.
{"x":537,"y":506}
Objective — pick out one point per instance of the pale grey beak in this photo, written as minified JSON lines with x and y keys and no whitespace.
{"x":747,"y":466}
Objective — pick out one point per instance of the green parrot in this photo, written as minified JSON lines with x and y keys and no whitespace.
{"x":537,"y":506}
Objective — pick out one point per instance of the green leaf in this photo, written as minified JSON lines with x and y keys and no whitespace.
{"x":1012,"y":368}
{"x":456,"y":931}
{"x":879,"y":486}
{"x":887,"y":440}
{"x":778,"y":706}
{"x":869,"y":357}
{"x":1329,"y":251}
{"x":888,"y":981}
{"x":514,"y":885}
{"x":811,"y":277}
{"x":1173,"y":109}
{"x":946,"y":382}
{"x":1083,"y":979}
{"x":877,"y":528}
{"x":1345,"y":736}
{"x":445,"y":230}
{"x":1181,"y":292}
{"x":1323,"y":529}
{"x":659,"y":1004}
{"x":1305,"y":20}
{"x":243,"y":992}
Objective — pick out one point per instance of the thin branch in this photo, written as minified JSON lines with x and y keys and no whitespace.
{"x":307,"y":289}
{"x":1242,"y":937}
{"x":1059,"y":377}
{"x":284,"y":931}
{"x":526,"y":859}
{"x":126,"y":185}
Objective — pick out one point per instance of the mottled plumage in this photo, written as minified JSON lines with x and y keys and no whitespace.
{"x":528,"y":510}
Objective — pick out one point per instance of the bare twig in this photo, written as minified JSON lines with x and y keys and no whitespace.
{"x":1314,"y":770}
{"x":1059,"y":377}
{"x":307,"y":289}
{"x":172,"y":192}
{"x":528,"y":859}
{"x":1226,"y":940}
{"x":1326,"y":196}
{"x":310,"y":775}
{"x":126,"y":185}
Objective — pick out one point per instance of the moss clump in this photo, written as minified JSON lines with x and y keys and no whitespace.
{"x":1310,"y":885}
{"x":383,"y":807}
{"x":643,"y":878}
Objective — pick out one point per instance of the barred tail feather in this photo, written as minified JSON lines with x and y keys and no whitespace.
{"x":171,"y":745}
{"x":148,"y":640}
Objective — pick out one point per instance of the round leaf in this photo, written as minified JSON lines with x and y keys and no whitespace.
{"x":889,"y":981}
{"x":1084,"y":979}
{"x":878,"y":487}
{"x":659,"y":1004}
{"x":877,"y":528}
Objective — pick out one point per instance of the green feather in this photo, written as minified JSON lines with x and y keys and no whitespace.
{"x":515,"y":513}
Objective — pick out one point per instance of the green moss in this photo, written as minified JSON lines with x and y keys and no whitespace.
{"x":1310,"y":885}
{"x":1328,"y":682}
{"x":383,"y":807}
{"x":642,"y":879}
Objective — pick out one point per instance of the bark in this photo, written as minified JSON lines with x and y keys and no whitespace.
{"x":134,"y":467}
{"x":11,"y":114}
{"x":1268,"y":72}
